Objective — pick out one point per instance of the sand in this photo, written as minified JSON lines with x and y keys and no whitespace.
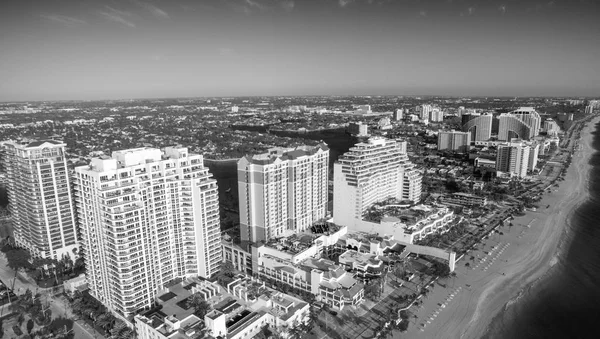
{"x":516,"y":259}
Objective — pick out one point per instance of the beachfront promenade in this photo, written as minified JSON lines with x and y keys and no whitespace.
{"x":504,"y":264}
{"x":505,"y":261}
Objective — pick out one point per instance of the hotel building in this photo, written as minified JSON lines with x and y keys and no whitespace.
{"x":479,"y":125}
{"x":371,"y":172}
{"x":523,"y":123}
{"x":454,"y":141}
{"x":297,"y":263}
{"x":284,"y":190}
{"x":147,"y":217}
{"x":516,"y":158}
{"x":39,"y":196}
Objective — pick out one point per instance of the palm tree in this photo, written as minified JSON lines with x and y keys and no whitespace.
{"x":104,"y":320}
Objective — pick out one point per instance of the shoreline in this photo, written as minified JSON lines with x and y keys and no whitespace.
{"x":517,"y":260}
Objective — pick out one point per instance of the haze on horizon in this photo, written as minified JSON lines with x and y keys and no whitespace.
{"x":108,"y":49}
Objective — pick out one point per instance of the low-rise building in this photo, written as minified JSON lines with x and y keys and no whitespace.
{"x":75,"y":284}
{"x":229,"y":316}
{"x":364,"y":265}
{"x":296,"y":262}
{"x":463,"y":199}
{"x":404,"y":223}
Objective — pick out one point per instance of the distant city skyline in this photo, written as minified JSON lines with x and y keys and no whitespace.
{"x":108,"y":49}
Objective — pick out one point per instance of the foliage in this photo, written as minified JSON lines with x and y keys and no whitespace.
{"x":200,"y":306}
{"x":30,"y":326}
{"x":92,"y":311}
{"x":374,"y":289}
{"x":227,"y":268}
{"x":18,"y":258}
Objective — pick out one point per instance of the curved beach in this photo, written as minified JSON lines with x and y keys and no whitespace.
{"x":506,"y":264}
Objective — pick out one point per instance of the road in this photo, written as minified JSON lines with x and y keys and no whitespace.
{"x":57,"y":305}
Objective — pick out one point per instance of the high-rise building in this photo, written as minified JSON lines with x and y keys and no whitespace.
{"x":398,"y":114}
{"x":371,"y":172}
{"x":39,"y":197}
{"x":358,"y":128}
{"x":589,"y":109}
{"x":479,"y":125}
{"x":460,"y":111}
{"x":436,"y":115}
{"x":523,"y":123}
{"x":147,"y":218}
{"x":534,"y":153}
{"x":454,"y":141}
{"x":551,"y":127}
{"x":594,"y":104}
{"x":282,"y":190}
{"x":425,"y":110}
{"x":517,"y":157}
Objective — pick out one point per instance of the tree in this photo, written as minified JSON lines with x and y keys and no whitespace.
{"x":200,"y":306}
{"x":29,"y":325}
{"x":373,"y":290}
{"x":104,"y":320}
{"x":18,"y":259}
{"x":227,"y":268}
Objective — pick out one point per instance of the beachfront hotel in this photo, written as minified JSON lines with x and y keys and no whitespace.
{"x":296,"y":261}
{"x":282,"y":191}
{"x":39,"y":195}
{"x":523,"y":123}
{"x":371,"y":172}
{"x":147,"y":217}
{"x":479,"y":125}
{"x":517,"y":158}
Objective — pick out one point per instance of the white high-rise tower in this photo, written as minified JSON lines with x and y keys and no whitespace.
{"x":147,"y":218}
{"x":39,"y":196}
{"x":371,"y":172}
{"x":284,"y":189}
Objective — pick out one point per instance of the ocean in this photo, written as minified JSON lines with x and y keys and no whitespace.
{"x":565,"y":303}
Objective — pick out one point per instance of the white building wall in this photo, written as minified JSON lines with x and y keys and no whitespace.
{"x":145,"y":224}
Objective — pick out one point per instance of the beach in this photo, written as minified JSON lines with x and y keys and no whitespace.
{"x":505,"y":264}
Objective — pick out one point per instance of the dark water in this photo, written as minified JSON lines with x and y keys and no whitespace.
{"x":566,"y":303}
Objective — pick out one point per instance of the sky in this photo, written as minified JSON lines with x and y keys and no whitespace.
{"x":116,"y":49}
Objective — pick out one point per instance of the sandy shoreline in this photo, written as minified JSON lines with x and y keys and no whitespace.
{"x":515,"y":260}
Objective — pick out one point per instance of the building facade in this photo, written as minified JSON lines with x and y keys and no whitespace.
{"x":436,"y":115}
{"x":551,"y":127}
{"x":39,"y":195}
{"x":513,"y":159}
{"x":523,"y":123}
{"x":147,"y":217}
{"x":425,"y":110}
{"x":371,"y":172}
{"x":454,"y":141}
{"x":282,"y":190}
{"x":479,"y":125}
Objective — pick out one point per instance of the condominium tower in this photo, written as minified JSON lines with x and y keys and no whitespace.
{"x":282,"y":190}
{"x":523,"y":123}
{"x":517,"y":158}
{"x":39,"y":196}
{"x":371,"y":172}
{"x":479,"y":125}
{"x":454,"y":141}
{"x":147,"y":218}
